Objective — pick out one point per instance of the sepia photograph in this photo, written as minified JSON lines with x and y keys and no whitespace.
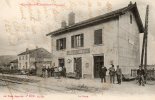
{"x":77,"y":50}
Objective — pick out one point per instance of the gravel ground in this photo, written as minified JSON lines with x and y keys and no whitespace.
{"x":82,"y":88}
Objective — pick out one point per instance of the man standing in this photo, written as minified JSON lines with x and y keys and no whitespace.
{"x":43,"y":72}
{"x":112,"y":74}
{"x":59,"y":71}
{"x":145,"y":74}
{"x":64,"y":72}
{"x":56,"y":71}
{"x":49,"y":71}
{"x":102,"y":74}
{"x":119,"y":74}
{"x":52,"y":71}
{"x":46,"y":72}
{"x":140,"y":74}
{"x":77,"y":73}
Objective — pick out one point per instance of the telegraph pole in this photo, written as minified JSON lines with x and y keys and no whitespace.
{"x":146,"y":32}
{"x":145,"y":36}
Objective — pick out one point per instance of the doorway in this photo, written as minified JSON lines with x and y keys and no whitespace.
{"x":78,"y":66}
{"x":98,"y":63}
{"x":61,"y":62}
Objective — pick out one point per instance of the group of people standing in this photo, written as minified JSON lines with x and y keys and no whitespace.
{"x":56,"y":72}
{"x":112,"y":74}
{"x":47,"y":72}
{"x":141,"y":74}
{"x":59,"y":72}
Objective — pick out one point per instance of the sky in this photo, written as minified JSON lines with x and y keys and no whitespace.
{"x":25,"y":26}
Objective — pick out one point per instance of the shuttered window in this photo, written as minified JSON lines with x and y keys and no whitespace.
{"x":72,"y":41}
{"x":57,"y":44}
{"x":61,"y":44}
{"x":77,"y":41}
{"x":98,"y":36}
{"x":130,"y":19}
{"x":82,"y":40}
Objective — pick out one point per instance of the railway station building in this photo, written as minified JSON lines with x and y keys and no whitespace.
{"x":111,"y":38}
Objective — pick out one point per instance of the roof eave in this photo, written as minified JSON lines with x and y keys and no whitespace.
{"x":70,"y":28}
{"x":102,"y":18}
{"x":138,"y":20}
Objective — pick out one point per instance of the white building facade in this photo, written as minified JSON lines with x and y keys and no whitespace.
{"x":28,"y":59}
{"x":111,"y":38}
{"x":24,"y":61}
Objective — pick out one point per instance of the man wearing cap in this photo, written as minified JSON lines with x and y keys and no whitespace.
{"x":102,"y":74}
{"x":118,"y":74}
{"x":112,"y":74}
{"x":140,"y":74}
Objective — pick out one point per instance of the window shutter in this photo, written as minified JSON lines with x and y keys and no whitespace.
{"x":64,"y":43}
{"x":130,"y":19}
{"x":72,"y":41}
{"x":98,"y":36}
{"x":57,"y":44}
{"x":82,"y":40}
{"x":95,"y":38}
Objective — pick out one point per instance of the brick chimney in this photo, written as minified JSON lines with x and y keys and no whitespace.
{"x":71,"y":18}
{"x":27,"y":49}
{"x":63,"y":24}
{"x":130,"y":3}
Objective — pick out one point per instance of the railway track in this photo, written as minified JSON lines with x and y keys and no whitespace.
{"x":24,"y":85}
{"x":17,"y":79}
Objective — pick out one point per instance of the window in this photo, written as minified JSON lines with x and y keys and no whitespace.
{"x":77,"y":41}
{"x":26,"y":65}
{"x":19,"y":64}
{"x":61,"y":62}
{"x":61,"y":44}
{"x":130,"y":19}
{"x":26,"y":57}
{"x":98,"y":36}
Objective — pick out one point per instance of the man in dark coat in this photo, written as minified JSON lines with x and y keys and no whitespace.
{"x":64,"y":72}
{"x":102,"y":74}
{"x":43,"y":72}
{"x":49,"y":71}
{"x":118,"y":74}
{"x":140,"y":74}
{"x":52,"y":71}
{"x":77,"y":73}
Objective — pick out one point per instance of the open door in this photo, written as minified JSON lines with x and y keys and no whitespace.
{"x":98,"y":63}
{"x":78,"y":66}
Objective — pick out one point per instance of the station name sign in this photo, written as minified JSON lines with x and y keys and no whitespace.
{"x":81,"y":51}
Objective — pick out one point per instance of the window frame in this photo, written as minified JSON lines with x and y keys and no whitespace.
{"x":77,"y":40}
{"x":97,"y":37}
{"x":61,"y":44}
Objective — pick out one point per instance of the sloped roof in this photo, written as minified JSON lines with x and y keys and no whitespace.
{"x":101,"y":19}
{"x":39,"y":53}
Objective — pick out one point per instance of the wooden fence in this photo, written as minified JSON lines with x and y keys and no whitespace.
{"x":150,"y":73}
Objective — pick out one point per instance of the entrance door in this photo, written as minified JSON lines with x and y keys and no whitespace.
{"x":61,"y":62}
{"x":78,"y":66}
{"x":98,"y":63}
